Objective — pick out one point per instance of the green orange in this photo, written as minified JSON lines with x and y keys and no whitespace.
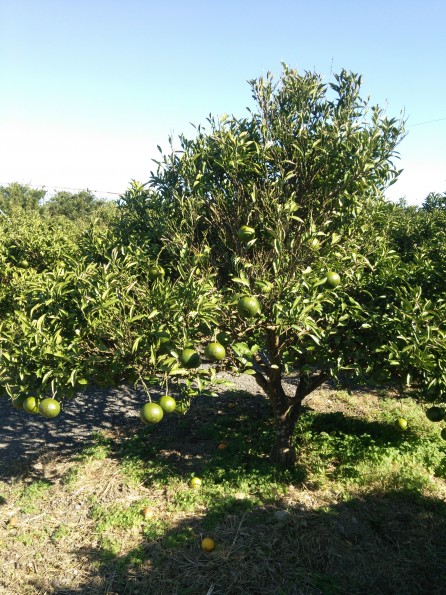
{"x":224,"y":338}
{"x":195,"y":483}
{"x":167,"y":403}
{"x":246,"y":234}
{"x":435,"y":413}
{"x":31,"y":405}
{"x":215,"y":351}
{"x":190,"y":358}
{"x":333,"y":279}
{"x":248,"y":306}
{"x":49,"y":408}
{"x":156,"y":272}
{"x":401,"y":424}
{"x":151,"y":413}
{"x":17,"y":403}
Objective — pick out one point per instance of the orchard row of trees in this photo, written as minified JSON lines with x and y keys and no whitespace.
{"x":84,"y":205}
{"x":263,"y":245}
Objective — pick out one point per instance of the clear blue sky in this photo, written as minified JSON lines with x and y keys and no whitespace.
{"x":88,"y":88}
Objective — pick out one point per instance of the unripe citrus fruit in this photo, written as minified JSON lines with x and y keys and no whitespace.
{"x":443,"y":433}
{"x":401,"y":423}
{"x":246,"y":233}
{"x":165,"y":348}
{"x":207,"y":544}
{"x":433,"y":413}
{"x":156,"y":272}
{"x":31,"y":405}
{"x":248,"y":306}
{"x":49,"y":408}
{"x":151,"y":413}
{"x":167,"y":403}
{"x":224,"y":338}
{"x":190,"y":358}
{"x":195,"y":483}
{"x":333,"y":279}
{"x":215,"y":351}
{"x":17,"y":403}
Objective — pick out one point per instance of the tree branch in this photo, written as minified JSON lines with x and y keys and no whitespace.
{"x":306,"y":386}
{"x":261,"y":381}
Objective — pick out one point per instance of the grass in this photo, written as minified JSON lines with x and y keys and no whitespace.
{"x":363,"y":511}
{"x":32,"y":494}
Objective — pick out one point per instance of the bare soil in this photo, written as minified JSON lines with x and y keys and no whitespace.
{"x":24,"y":438}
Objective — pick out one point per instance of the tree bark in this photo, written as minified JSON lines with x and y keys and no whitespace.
{"x":283,"y":451}
{"x":286,"y":410}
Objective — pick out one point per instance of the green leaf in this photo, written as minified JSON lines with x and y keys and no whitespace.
{"x":136,"y":342}
{"x":47,"y":375}
{"x":240,"y":281}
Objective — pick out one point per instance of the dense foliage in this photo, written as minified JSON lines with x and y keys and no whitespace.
{"x":267,"y":235}
{"x":419,"y":237}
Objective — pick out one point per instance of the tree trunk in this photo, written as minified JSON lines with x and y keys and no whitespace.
{"x":286,"y":410}
{"x":283,"y":451}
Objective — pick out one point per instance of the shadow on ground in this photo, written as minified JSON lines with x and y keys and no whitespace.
{"x":23,"y":437}
{"x":374,"y":545}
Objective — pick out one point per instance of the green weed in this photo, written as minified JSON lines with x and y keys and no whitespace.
{"x":59,"y":533}
{"x":356,"y":451}
{"x":71,"y":476}
{"x":31,"y":494}
{"x":99,"y":449}
{"x":116,"y":516}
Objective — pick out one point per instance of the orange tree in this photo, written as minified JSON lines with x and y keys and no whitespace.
{"x":285,"y":208}
{"x":418,"y":234}
{"x":103,"y":318}
{"x":261,"y":245}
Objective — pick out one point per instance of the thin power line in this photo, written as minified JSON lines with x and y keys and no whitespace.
{"x":427,"y":122}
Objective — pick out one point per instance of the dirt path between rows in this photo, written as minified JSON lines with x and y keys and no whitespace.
{"x":23,"y":437}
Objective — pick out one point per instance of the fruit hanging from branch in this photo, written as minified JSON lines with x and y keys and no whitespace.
{"x":190,"y":358}
{"x":151,"y":413}
{"x":246,"y":234}
{"x":215,"y":351}
{"x":248,"y":307}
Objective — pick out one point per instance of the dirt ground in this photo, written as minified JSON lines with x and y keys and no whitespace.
{"x":23,"y":437}
{"x":306,"y":540}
